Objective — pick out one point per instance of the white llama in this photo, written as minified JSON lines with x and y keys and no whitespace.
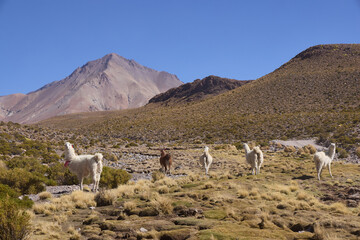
{"x":84,"y":165}
{"x":206,"y":159}
{"x":323,"y":159}
{"x":254,"y":157}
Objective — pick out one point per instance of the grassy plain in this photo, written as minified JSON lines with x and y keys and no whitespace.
{"x":285,"y":201}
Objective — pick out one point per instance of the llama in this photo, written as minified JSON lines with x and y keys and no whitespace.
{"x":206,"y":160}
{"x":84,"y":165}
{"x":254,"y":157}
{"x":323,"y":159}
{"x":165,"y":161}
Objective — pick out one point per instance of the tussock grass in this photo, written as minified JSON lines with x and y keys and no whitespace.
{"x":242,"y":193}
{"x":162,"y":204}
{"x":130,"y":206}
{"x":339,"y":208}
{"x":82,"y":199}
{"x":169,"y":182}
{"x":163,"y":189}
{"x":45,"y":195}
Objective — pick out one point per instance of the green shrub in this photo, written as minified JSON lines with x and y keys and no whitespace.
{"x":357,"y":151}
{"x":238,"y":145}
{"x":342,"y":153}
{"x":23,"y":181}
{"x":14,"y":223}
{"x":61,"y":175}
{"x":110,"y":157}
{"x":112,"y":178}
{"x":29,"y":164}
{"x":6,"y":191}
{"x":131,"y":144}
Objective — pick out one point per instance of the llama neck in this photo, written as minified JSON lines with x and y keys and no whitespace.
{"x":246,"y":147}
{"x":162,"y":153}
{"x":206,"y":151}
{"x":70,"y":154}
{"x":331,"y":152}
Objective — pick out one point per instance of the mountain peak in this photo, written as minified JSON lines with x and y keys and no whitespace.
{"x":109,"y":83}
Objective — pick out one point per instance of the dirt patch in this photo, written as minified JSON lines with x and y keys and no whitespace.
{"x":299,"y":143}
{"x":348,"y":195}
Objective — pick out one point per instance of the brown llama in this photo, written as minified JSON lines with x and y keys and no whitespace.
{"x":165,"y":161}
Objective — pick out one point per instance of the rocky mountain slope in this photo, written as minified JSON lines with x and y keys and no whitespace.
{"x":109,"y":83}
{"x":198,"y":90}
{"x":315,"y":94}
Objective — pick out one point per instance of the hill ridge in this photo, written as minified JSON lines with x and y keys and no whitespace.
{"x":198,"y":90}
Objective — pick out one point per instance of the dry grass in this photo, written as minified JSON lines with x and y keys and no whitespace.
{"x":266,"y":205}
{"x":162,"y":204}
{"x":45,"y":195}
{"x":339,"y":208}
{"x":242,"y":193}
{"x":130,"y":206}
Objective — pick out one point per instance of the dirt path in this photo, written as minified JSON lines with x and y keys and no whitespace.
{"x":299,"y":143}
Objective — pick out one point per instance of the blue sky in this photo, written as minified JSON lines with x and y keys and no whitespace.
{"x":43,"y":41}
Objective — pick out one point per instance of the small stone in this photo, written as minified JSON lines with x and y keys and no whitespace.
{"x":143,"y":230}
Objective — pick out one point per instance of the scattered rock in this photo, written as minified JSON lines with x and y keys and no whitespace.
{"x":143,"y":230}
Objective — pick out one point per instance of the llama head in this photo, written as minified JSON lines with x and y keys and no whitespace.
{"x":69,"y":151}
{"x":162,"y":152}
{"x":68,"y":145}
{"x":246,"y":147}
{"x":331,"y":151}
{"x":332,"y":147}
{"x":206,"y":148}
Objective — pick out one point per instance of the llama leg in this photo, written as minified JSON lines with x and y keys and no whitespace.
{"x":97,"y":182}
{"x":329,"y":167}
{"x":319,"y":171}
{"x":81,"y":183}
{"x":94,"y":181}
{"x":253,"y":171}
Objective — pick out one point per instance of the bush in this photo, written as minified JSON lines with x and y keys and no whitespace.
{"x":342,"y":153}
{"x":6,"y":191}
{"x":310,"y":148}
{"x":112,"y":178}
{"x":131,"y":144}
{"x":14,"y":223}
{"x":157,"y":175}
{"x":61,"y":175}
{"x":22,"y":181}
{"x":357,"y":151}
{"x":290,"y":149}
{"x":238,"y":145}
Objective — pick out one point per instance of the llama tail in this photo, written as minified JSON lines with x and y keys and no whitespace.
{"x":98,"y":157}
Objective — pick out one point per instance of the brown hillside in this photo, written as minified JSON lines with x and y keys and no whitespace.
{"x":320,"y":78}
{"x":315,"y":94}
{"x":197,"y":90}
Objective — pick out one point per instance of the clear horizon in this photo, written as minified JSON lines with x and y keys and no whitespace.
{"x":45,"y":41}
